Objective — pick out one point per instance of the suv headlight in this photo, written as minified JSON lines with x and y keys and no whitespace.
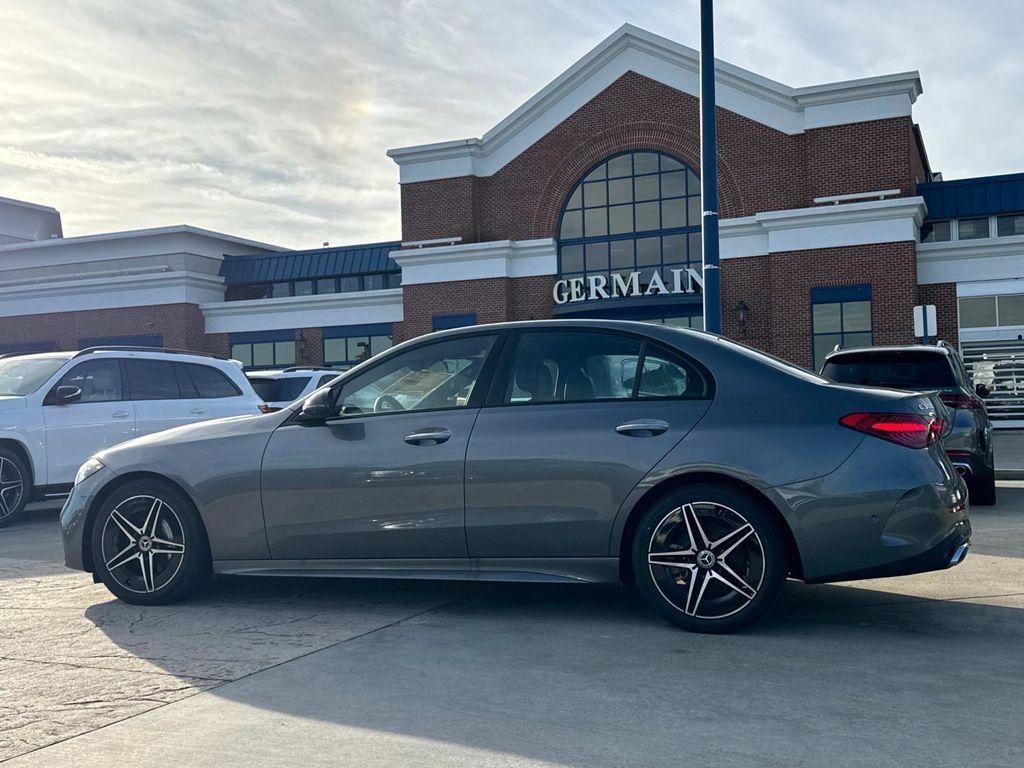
{"x":89,"y":468}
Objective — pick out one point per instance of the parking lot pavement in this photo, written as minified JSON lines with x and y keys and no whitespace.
{"x":925,"y":670}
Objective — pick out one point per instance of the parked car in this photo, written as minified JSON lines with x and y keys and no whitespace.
{"x":556,"y":451}
{"x":59,"y":408}
{"x":921,"y":368}
{"x":281,"y":388}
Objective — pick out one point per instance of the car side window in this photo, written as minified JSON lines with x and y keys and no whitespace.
{"x":211,"y":383}
{"x":666,"y":374}
{"x":99,"y":380}
{"x":325,"y":380}
{"x":185,"y":383}
{"x":152,"y":380}
{"x":572,"y":366}
{"x":443,"y":374}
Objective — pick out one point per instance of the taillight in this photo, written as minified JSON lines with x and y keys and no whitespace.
{"x":960,"y":400}
{"x":264,"y":408}
{"x":907,"y":429}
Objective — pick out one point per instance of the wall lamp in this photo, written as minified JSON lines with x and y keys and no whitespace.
{"x":742,"y":315}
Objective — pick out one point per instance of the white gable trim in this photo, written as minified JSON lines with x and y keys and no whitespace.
{"x":786,"y":109}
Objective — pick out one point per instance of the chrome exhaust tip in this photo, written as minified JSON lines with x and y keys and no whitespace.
{"x":962,"y":468}
{"x":959,"y":554}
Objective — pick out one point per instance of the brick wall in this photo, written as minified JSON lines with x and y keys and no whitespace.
{"x":493,"y":300}
{"x":777,"y":289}
{"x":760,"y":169}
{"x":943,"y":296}
{"x":181,"y":325}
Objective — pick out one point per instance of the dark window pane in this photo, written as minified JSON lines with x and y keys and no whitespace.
{"x":648,"y":251}
{"x":572,"y":225}
{"x":692,"y":183}
{"x":646,"y":216}
{"x":620,"y":166}
{"x":99,"y":380}
{"x":575,"y":199}
{"x":379,"y":344}
{"x":646,"y":187}
{"x":972,"y":229}
{"x":210,"y":382}
{"x":1011,"y":310}
{"x":935,"y":231}
{"x":152,"y":380}
{"x":335,"y":351}
{"x":303,"y":287}
{"x":263,"y":353}
{"x":242,"y":353}
{"x":572,"y":367}
{"x":598,"y":173}
{"x":673,"y":213}
{"x":826,"y":318}
{"x":673,"y":184}
{"x":349,"y":284}
{"x":595,"y":194}
{"x":645,"y":162}
{"x":620,"y":191}
{"x":620,"y":219}
{"x":572,"y":258}
{"x":696,"y":248}
{"x":266,"y":389}
{"x":185,"y":386}
{"x":277,"y":290}
{"x":325,"y":380}
{"x":856,"y":316}
{"x":596,"y":222}
{"x":290,"y":388}
{"x":693,"y":212}
{"x":597,"y":257}
{"x":978,"y":312}
{"x":325,"y":285}
{"x":1008,"y":226}
{"x":856,"y":340}
{"x":284,"y":353}
{"x":373,"y":282}
{"x":622,"y":254}
{"x":674,"y":247}
{"x":668,"y":375}
{"x":394,"y":279}
{"x":900,"y":370}
{"x":358,"y":349}
{"x":824,"y":344}
{"x":669,"y":164}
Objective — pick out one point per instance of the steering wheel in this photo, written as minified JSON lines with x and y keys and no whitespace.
{"x":387,"y":403}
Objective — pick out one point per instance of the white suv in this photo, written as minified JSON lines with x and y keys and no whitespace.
{"x":59,"y":408}
{"x":281,"y":388}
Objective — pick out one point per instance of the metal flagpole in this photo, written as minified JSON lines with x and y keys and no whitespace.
{"x":709,"y":172}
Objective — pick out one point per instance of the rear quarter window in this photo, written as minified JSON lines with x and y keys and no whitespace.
{"x":211,"y":383}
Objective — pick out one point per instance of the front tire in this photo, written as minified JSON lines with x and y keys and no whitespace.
{"x":709,"y":558}
{"x":15,"y":485}
{"x":149,"y":546}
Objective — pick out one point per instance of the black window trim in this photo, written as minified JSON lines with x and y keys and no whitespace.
{"x":496,"y":394}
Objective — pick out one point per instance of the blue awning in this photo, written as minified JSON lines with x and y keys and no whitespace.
{"x":982,"y":196}
{"x":307,"y":265}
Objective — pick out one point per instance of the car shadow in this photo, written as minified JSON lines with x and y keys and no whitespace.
{"x":586,"y":675}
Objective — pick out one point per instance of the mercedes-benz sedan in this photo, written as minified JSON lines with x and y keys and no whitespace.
{"x":561,"y":451}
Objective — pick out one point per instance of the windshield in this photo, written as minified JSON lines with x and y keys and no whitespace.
{"x":279,"y":390}
{"x":21,"y":376}
{"x":897,"y":370}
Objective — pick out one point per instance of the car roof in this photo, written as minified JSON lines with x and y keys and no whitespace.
{"x":894,"y":348}
{"x":285,"y":374}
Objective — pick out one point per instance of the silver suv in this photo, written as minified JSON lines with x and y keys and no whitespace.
{"x":918,"y":368}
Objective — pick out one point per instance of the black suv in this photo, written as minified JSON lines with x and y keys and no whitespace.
{"x":917,"y":368}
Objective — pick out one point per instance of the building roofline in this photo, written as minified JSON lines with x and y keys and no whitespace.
{"x":135,"y":233}
{"x":630,"y":48}
{"x":26,"y":204}
{"x":393,"y":244}
{"x":974,"y":180}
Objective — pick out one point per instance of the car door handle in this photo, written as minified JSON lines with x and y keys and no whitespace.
{"x":120,"y":414}
{"x":642,"y":428}
{"x":431,"y":436}
{"x":197,"y":411}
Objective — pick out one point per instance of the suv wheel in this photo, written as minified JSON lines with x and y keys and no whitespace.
{"x":709,"y":558}
{"x":15,"y":485}
{"x":982,"y":489}
{"x":149,"y":546}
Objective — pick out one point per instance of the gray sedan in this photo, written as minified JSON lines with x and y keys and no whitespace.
{"x":562,"y":451}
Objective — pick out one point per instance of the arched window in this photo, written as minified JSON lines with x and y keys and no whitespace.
{"x":636,"y":211}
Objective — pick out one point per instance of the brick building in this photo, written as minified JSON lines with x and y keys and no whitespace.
{"x":584,"y":202}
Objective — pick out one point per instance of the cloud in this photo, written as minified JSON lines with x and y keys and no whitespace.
{"x":270,"y":120}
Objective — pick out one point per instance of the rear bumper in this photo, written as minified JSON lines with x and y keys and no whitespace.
{"x":950,"y":552}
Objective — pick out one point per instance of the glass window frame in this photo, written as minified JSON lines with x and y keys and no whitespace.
{"x":389,"y":279}
{"x":251,"y":366}
{"x":690,"y":258}
{"x":842,"y":333}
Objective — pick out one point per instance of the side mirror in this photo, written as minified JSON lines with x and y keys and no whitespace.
{"x":68,"y":394}
{"x":982,"y":390}
{"x":316,"y":408}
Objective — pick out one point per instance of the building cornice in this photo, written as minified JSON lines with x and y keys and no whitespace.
{"x":182,"y":229}
{"x":963,"y":261}
{"x":356,"y":308}
{"x":631,"y":49}
{"x":475,"y":261}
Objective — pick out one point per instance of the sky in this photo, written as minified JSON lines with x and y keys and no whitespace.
{"x":270,"y":120}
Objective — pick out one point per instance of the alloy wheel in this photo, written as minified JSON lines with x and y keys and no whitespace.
{"x":706,"y":559}
{"x":143,"y":544}
{"x":12,"y":487}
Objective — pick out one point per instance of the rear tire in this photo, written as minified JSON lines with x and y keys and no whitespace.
{"x":149,"y":546}
{"x":709,"y":558}
{"x":15,"y":485}
{"x":982,"y":489}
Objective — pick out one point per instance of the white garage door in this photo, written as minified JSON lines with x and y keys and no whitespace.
{"x":1000,"y":365}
